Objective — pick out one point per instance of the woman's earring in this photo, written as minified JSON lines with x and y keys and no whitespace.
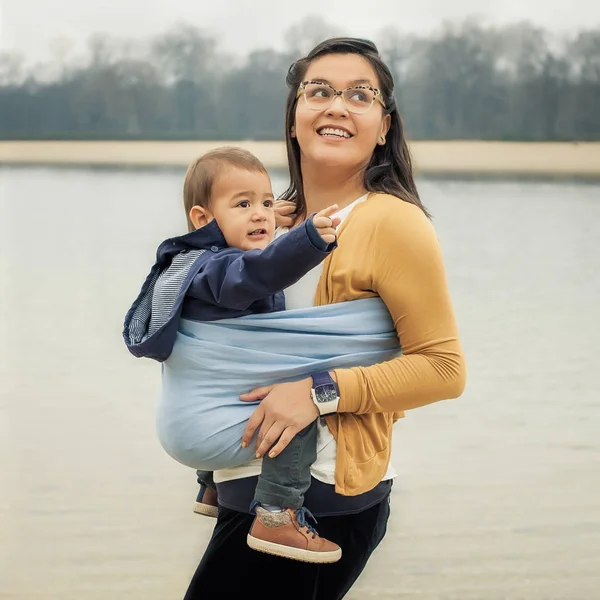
{"x":382,"y":140}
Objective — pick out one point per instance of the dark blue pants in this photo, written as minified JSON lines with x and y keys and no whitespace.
{"x":230,"y":569}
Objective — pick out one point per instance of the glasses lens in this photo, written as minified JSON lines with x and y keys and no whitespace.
{"x":359,"y":100}
{"x":318,"y":96}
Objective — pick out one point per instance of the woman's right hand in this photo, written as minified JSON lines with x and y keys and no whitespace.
{"x":325,"y":224}
{"x":285,"y":213}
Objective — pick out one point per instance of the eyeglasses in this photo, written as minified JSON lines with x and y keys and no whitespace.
{"x":357,"y":99}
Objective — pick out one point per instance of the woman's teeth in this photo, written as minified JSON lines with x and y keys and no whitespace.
{"x":334,"y":132}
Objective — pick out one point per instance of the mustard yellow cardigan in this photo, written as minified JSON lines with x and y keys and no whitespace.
{"x":388,"y":248}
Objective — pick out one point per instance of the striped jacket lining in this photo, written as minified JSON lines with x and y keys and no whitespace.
{"x":156,"y":306}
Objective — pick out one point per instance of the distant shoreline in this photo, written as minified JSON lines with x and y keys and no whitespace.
{"x":556,"y":159}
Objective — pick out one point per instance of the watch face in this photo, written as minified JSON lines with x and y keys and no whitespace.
{"x":326,"y":393}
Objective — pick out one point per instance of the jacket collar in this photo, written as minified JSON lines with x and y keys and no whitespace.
{"x":205,"y":238}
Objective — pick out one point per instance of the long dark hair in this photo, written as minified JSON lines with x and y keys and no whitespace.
{"x":390,"y":168}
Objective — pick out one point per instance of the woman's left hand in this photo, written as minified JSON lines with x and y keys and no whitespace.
{"x":285,"y":409}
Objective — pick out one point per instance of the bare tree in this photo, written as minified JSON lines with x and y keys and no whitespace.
{"x":302,"y":37}
{"x":12,"y":68}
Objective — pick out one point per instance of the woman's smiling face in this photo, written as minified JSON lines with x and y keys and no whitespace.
{"x":334,"y":136}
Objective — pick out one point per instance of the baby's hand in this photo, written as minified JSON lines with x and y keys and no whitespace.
{"x":285,"y":213}
{"x":325,"y":224}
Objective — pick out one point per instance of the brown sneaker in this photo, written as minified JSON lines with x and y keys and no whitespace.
{"x":206,"y":502}
{"x":287,"y":534}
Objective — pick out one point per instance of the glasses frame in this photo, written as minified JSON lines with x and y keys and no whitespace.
{"x":376,"y":95}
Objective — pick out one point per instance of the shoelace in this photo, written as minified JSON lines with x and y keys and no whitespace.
{"x":301,"y":514}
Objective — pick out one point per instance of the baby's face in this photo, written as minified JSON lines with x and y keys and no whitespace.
{"x":242,"y":203}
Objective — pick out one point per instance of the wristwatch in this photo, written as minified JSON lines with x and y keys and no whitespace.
{"x":325,"y":393}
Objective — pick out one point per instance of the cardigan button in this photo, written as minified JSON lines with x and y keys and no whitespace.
{"x":214,"y":248}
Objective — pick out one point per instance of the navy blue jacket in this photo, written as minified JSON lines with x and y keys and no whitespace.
{"x":197,"y":276}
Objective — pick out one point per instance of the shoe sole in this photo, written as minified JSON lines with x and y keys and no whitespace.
{"x":208,"y":510}
{"x":307,"y":556}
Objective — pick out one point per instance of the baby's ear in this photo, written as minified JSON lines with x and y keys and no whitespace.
{"x":200,"y":216}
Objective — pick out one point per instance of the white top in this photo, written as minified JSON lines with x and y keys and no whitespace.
{"x":302,"y":295}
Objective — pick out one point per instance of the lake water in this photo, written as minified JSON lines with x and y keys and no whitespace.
{"x":498,"y":495}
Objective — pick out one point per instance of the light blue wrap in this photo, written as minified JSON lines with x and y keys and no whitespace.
{"x":200,"y":418}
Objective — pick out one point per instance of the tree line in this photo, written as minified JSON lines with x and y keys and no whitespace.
{"x":467,"y":80}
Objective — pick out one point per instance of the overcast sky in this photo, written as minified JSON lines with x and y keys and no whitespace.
{"x":30,"y":26}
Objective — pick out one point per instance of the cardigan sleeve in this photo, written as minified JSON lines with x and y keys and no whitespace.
{"x":408,"y":274}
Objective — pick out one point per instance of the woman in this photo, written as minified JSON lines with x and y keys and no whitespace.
{"x":346,"y":146}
